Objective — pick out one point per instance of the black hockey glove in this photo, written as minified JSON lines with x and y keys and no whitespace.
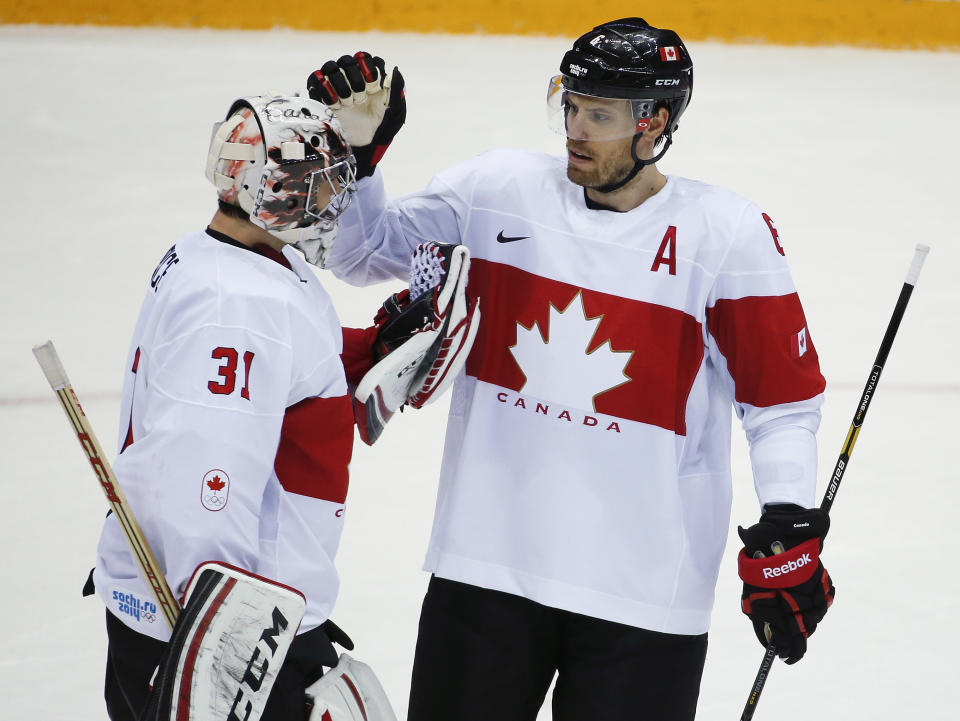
{"x":310,"y":652}
{"x":370,"y":107}
{"x":398,"y":319}
{"x":786,"y":589}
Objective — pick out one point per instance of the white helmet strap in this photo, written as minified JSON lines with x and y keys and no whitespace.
{"x":220,"y":149}
{"x":237,"y":151}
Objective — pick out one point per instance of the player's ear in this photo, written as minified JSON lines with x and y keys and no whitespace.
{"x":658,"y":124}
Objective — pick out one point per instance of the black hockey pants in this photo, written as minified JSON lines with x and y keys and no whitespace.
{"x":485,"y":654}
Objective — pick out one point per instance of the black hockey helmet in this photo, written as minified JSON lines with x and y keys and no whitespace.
{"x":631,"y":59}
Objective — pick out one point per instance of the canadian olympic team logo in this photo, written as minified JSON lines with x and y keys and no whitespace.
{"x":215,"y":490}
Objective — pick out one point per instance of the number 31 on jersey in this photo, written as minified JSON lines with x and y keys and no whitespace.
{"x":229,"y":360}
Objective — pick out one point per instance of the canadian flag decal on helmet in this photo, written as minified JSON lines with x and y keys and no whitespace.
{"x":668,"y":53}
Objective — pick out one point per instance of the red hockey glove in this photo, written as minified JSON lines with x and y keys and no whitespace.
{"x":370,"y":106}
{"x":786,"y":589}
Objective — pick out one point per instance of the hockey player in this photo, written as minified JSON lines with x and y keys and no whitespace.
{"x":237,"y":429}
{"x":585,"y":490}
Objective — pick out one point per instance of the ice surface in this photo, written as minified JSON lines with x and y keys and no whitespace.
{"x":853,"y":152}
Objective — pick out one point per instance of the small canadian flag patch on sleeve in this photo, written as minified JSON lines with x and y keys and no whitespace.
{"x":668,"y":53}
{"x":798,"y":343}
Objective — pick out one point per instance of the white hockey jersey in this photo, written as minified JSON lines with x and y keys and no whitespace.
{"x":587,"y":458}
{"x":236,"y":429}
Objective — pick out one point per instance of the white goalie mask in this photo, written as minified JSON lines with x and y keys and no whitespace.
{"x":284,"y":160}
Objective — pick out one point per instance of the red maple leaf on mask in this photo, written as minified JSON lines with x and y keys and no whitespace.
{"x":215,"y":484}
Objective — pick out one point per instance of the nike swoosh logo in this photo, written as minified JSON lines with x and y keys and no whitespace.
{"x":501,"y":238}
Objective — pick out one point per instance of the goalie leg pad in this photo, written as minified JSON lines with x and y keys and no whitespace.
{"x":349,"y":692}
{"x":227,"y":647}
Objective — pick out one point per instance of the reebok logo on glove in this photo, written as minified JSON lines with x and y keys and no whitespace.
{"x":790,"y":568}
{"x":787,"y":567}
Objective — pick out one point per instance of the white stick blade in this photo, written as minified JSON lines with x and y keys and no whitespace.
{"x":51,"y":366}
{"x":918,"y":257}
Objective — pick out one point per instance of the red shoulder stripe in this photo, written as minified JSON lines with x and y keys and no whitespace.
{"x":769,"y":352}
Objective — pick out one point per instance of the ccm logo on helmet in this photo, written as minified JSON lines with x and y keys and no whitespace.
{"x":787,"y":567}
{"x":667,"y":81}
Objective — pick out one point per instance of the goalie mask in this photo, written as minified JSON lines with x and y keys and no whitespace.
{"x":284,"y":160}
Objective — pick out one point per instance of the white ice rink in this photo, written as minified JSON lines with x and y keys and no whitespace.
{"x":854,"y":153}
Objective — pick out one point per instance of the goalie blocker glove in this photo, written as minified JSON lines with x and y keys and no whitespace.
{"x":786,"y":589}
{"x":370,"y":106}
{"x":423,"y":339}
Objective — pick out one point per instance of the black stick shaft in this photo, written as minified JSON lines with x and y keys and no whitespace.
{"x":843,"y":461}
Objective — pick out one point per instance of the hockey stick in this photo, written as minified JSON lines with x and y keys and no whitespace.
{"x":57,"y":377}
{"x":843,"y":461}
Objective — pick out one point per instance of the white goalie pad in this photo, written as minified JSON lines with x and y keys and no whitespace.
{"x":350,"y":691}
{"x":423,"y":366}
{"x":227,"y":647}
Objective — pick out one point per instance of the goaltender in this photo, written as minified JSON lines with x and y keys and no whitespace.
{"x":237,"y":427}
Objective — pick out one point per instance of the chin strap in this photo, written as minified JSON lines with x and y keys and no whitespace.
{"x":638,"y":163}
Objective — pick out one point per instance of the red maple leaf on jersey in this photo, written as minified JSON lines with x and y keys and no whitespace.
{"x":216,"y":484}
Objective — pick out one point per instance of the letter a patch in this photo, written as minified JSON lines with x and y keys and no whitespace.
{"x":667,"y":254}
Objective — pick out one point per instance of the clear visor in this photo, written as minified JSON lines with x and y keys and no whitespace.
{"x":299,"y":194}
{"x":594,"y":118}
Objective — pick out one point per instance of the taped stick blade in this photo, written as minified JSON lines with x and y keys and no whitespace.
{"x":51,"y":366}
